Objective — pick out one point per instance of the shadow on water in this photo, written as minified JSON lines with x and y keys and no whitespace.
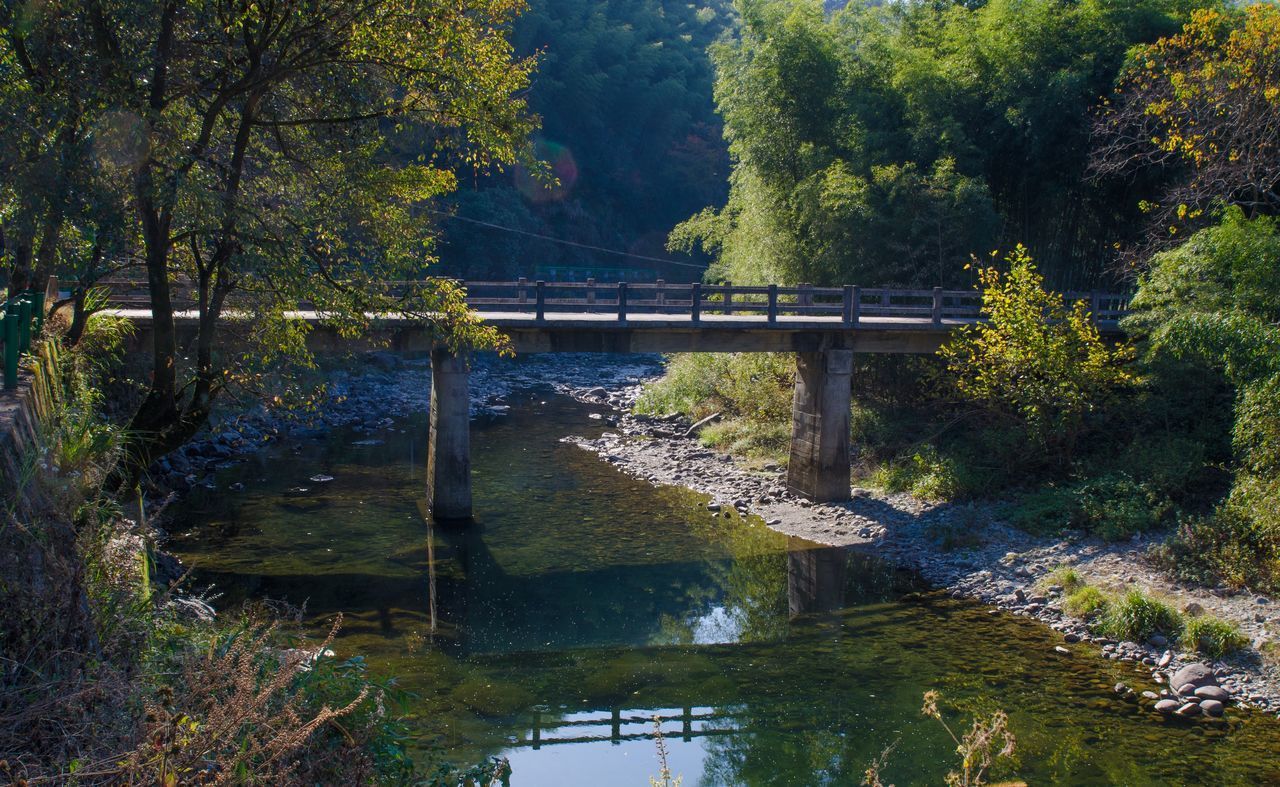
{"x":580,"y":603}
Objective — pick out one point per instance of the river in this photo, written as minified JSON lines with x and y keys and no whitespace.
{"x":581,"y":603}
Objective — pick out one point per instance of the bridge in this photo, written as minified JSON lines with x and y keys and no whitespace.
{"x":824,"y":326}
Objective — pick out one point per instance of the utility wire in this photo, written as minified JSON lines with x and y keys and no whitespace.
{"x":563,"y":241}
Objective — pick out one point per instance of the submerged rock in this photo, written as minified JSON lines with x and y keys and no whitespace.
{"x":1212,"y":707}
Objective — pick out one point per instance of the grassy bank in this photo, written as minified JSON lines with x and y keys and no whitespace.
{"x":110,"y":675}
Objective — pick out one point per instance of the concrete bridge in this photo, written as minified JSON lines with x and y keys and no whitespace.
{"x":823,"y":326}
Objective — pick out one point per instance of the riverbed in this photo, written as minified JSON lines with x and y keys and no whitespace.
{"x":582,"y":602}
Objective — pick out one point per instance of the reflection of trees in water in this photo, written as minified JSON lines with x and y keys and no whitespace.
{"x":752,"y":582}
{"x":756,"y":754}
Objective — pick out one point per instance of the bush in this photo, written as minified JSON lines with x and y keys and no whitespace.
{"x":1137,"y":617}
{"x":1212,"y":636}
{"x":1034,"y":360}
{"x":1115,"y":507}
{"x":925,"y":474}
{"x":1086,"y":601}
{"x":755,"y":386}
{"x":1068,"y":578}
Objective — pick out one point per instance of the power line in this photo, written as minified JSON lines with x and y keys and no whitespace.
{"x":575,"y":244}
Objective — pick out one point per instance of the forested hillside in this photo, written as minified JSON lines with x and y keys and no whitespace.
{"x":629,"y":128}
{"x":888,"y":143}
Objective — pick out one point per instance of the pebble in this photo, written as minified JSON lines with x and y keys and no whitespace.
{"x":1189,"y":709}
{"x":1062,"y":650}
{"x":1167,"y":706}
{"x":1212,"y":693}
{"x":1212,"y":707}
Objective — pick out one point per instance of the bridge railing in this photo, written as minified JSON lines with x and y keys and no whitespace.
{"x":849,"y":304}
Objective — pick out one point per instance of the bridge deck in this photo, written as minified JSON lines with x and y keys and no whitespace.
{"x":572,"y":331}
{"x":660,"y":317}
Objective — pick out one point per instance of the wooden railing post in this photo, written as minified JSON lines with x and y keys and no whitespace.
{"x":846,"y":304}
{"x":695,"y":301}
{"x":591,"y":290}
{"x":1095,"y":304}
{"x":522,"y":290}
{"x":856,"y":315}
{"x":622,"y":301}
{"x":884,"y":299}
{"x":937,"y":305}
{"x":728,"y":297}
{"x":805,"y":297}
{"x":540,"y":299}
{"x":662,"y":294}
{"x":773,"y":303}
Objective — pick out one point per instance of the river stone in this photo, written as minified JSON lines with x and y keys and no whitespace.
{"x":1195,"y":674}
{"x":1150,"y":695}
{"x":1187,"y":689}
{"x":1167,"y":706}
{"x":1212,"y":707}
{"x":1165,"y":658}
{"x":1061,"y":650}
{"x":1158,"y":641}
{"x":1212,"y":693}
{"x":1120,"y":688}
{"x":1189,"y":709}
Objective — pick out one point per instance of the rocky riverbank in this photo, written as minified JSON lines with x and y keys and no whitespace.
{"x":376,"y":395}
{"x":968,"y":551}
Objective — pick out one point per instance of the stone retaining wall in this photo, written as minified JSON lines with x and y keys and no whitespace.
{"x":22,"y":413}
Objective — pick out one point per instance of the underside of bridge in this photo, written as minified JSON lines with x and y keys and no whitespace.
{"x":818,"y":469}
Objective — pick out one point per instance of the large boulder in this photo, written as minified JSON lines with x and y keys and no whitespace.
{"x":1195,"y":674}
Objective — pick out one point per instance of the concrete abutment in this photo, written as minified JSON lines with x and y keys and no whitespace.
{"x":449,"y":447}
{"x":820,"y":412}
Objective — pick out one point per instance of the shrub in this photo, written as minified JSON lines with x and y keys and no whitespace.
{"x":924,"y":473}
{"x":769,"y":440}
{"x":1212,"y":636}
{"x":1034,"y":360}
{"x":1085,"y":601}
{"x":1115,"y":507}
{"x":1137,"y":617}
{"x":755,"y":386}
{"x":1066,"y":576}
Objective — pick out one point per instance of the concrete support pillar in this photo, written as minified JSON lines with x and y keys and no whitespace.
{"x":449,"y":451}
{"x":819,"y":466}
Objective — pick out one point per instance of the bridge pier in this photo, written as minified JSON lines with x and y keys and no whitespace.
{"x":819,"y":465}
{"x":449,"y":449}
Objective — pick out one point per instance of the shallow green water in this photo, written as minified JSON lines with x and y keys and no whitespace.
{"x":582,"y":602}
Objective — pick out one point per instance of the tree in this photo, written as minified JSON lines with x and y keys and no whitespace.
{"x":255,"y":143}
{"x":1203,"y":106}
{"x":1033,"y":359}
{"x":1214,"y":303}
{"x":624,"y":91}
{"x":885,"y":143}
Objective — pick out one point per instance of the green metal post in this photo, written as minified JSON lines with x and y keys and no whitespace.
{"x":10,"y":349}
{"x":37,"y":300}
{"x":24,"y":325}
